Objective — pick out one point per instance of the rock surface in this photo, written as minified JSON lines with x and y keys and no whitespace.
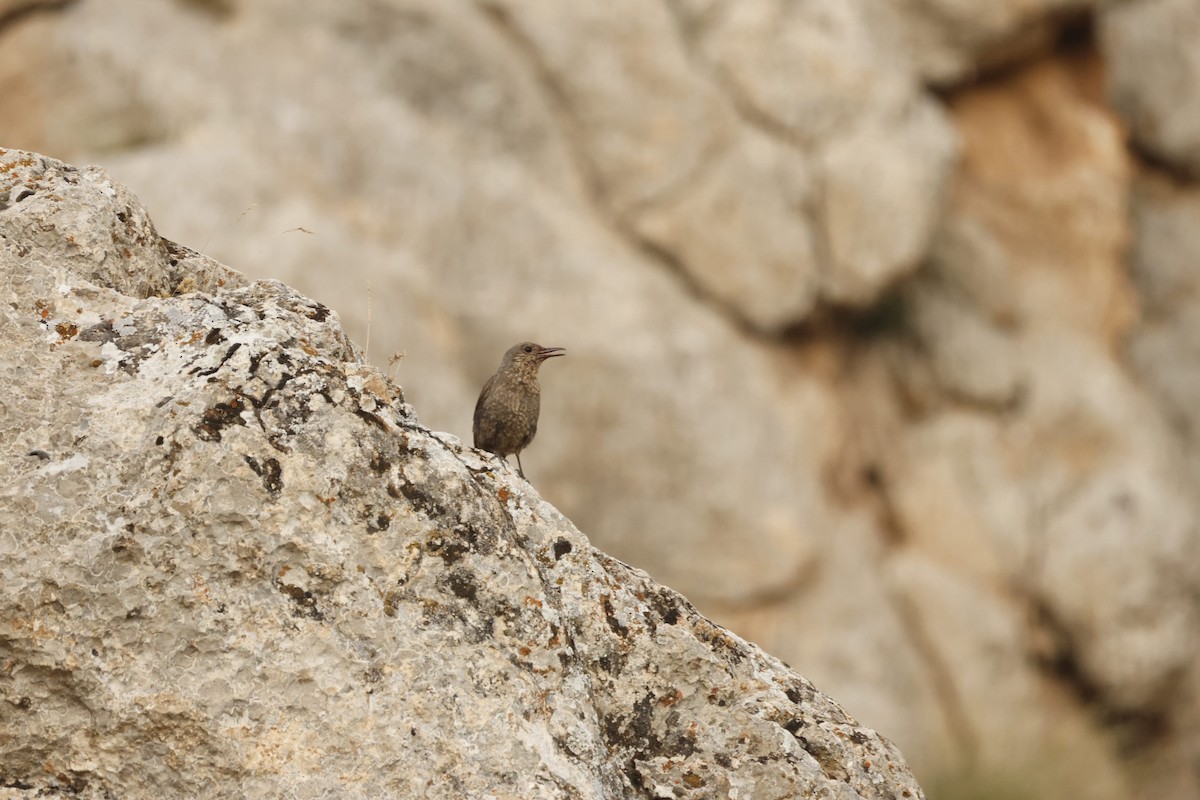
{"x":956,"y":40}
{"x":1155,"y":76}
{"x":896,"y":382}
{"x":1030,"y":461}
{"x":1166,"y":348}
{"x":234,"y":562}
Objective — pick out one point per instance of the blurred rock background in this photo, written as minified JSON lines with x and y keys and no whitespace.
{"x":883,"y":317}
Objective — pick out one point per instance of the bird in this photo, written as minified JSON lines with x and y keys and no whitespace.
{"x":506,"y":414}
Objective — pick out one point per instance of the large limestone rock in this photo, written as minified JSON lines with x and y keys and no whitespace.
{"x":1036,"y":481}
{"x":447,"y":195}
{"x":654,"y":120}
{"x":963,"y":509}
{"x":1166,"y":348}
{"x":954,"y":41}
{"x":1036,"y":524}
{"x":235,"y":564}
{"x":1155,"y":76}
{"x":834,"y":81}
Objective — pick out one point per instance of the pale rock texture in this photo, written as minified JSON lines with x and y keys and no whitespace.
{"x":953,"y":41}
{"x":97,"y":218}
{"x":1164,"y":261}
{"x":1155,"y":76}
{"x":235,"y":564}
{"x":833,"y":82}
{"x":898,"y":385}
{"x":678,"y":116}
{"x":1039,"y":541}
{"x":1032,"y":467}
{"x":1165,"y":350}
{"x":451,"y":200}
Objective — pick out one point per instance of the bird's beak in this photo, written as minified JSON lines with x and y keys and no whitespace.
{"x":551,"y":352}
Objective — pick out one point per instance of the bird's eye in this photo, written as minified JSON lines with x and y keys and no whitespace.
{"x":528,"y":348}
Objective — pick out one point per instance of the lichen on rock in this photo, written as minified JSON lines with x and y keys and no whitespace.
{"x":235,"y":562}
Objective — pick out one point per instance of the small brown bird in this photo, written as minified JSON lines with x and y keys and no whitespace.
{"x":506,"y":414}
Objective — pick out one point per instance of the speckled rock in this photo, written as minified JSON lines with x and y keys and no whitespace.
{"x":235,"y":563}
{"x":448,"y":196}
{"x":96,"y":228}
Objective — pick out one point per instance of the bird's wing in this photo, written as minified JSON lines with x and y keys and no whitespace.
{"x":483,"y":393}
{"x":532,"y":409}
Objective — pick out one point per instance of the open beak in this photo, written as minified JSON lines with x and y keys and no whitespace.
{"x":551,"y":352}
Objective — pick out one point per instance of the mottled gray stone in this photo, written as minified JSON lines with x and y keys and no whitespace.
{"x":1163,"y":261}
{"x":1153,"y":55}
{"x":235,"y":563}
{"x":953,"y":41}
{"x":800,"y":127}
{"x":97,"y":229}
{"x":425,"y":160}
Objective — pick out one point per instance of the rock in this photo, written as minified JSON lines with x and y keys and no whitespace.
{"x":1029,"y":538}
{"x":468,"y":215}
{"x":953,"y":41}
{"x":1154,"y":76}
{"x":835,"y":81}
{"x":877,"y":182}
{"x":111,"y":239}
{"x":851,"y":493}
{"x":956,"y":618}
{"x":1129,"y":491}
{"x":1166,"y":345}
{"x":979,"y":363}
{"x":1034,"y":482}
{"x":235,"y":562}
{"x":665,"y":151}
{"x":461,"y":240}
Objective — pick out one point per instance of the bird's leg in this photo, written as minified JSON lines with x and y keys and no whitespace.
{"x":520,"y":469}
